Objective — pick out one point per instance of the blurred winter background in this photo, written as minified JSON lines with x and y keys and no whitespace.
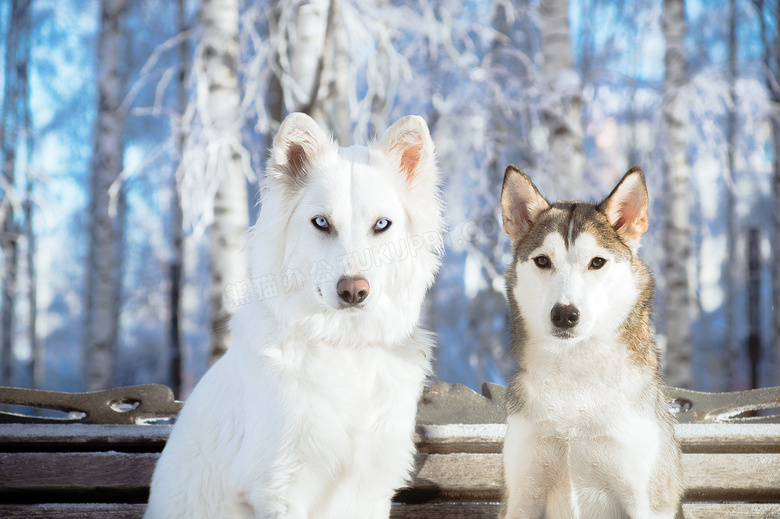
{"x":133,"y":135}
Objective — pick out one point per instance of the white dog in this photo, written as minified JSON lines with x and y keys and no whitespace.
{"x":311,"y":413}
{"x":589,"y":431}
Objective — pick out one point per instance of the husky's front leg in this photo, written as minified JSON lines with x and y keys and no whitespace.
{"x":533,"y":465}
{"x":648,"y":479}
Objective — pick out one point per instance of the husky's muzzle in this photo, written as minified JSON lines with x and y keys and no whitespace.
{"x":564,"y":318}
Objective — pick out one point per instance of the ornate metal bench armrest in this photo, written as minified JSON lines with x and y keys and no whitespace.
{"x":144,"y":404}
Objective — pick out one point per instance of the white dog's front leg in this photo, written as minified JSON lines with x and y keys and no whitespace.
{"x":264,"y":494}
{"x":267,"y":505}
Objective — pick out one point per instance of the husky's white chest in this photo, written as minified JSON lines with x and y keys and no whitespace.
{"x":583,"y":390}
{"x":590,"y":412}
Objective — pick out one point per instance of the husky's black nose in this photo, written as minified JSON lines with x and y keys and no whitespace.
{"x":352,"y":289}
{"x":565,"y":316}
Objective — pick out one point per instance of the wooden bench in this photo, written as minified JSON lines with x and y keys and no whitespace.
{"x":96,"y":461}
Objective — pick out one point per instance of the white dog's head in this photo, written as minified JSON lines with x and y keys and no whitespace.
{"x":351,"y":237}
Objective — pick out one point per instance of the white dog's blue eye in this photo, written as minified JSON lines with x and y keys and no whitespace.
{"x":382,"y":225}
{"x":321,"y":223}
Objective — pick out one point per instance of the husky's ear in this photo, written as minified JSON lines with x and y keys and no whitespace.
{"x":626,"y":207}
{"x":521,"y":203}
{"x":297,"y":143}
{"x":409,"y":146}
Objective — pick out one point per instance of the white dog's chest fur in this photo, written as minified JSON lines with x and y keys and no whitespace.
{"x":300,"y":431}
{"x":341,"y":406}
{"x":343,"y":410}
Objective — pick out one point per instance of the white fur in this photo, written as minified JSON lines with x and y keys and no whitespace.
{"x":311,"y":413}
{"x":584,"y":389}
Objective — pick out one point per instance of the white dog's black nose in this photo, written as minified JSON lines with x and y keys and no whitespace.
{"x":352,"y":289}
{"x":565,"y":316}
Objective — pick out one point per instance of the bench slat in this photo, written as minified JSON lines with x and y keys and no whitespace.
{"x":434,"y":439}
{"x":440,"y":511}
{"x":76,"y":471}
{"x":732,"y":477}
{"x":738,"y":477}
{"x":74,"y":436}
{"x":731,"y":510}
{"x":73,"y":511}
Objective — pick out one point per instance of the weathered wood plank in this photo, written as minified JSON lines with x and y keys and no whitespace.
{"x":722,"y":438}
{"x":76,"y":471}
{"x":73,"y":511}
{"x":30,"y":437}
{"x":693,"y":438}
{"x":431,"y":511}
{"x":440,"y":477}
{"x":446,"y":511}
{"x":431,"y":439}
{"x":461,"y":476}
{"x":731,"y":510}
{"x":732,"y":477}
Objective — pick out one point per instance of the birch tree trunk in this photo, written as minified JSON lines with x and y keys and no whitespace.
{"x":101,"y":327}
{"x":732,"y":269}
{"x":36,"y":367}
{"x":218,"y":104}
{"x":563,"y":111}
{"x":11,"y":121}
{"x":176,"y":268}
{"x":307,"y":56}
{"x":334,"y":104}
{"x":677,"y":223}
{"x":7,"y":231}
{"x":772,"y":68}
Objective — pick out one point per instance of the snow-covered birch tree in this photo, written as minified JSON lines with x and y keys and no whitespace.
{"x":176,"y":267}
{"x":101,"y":324}
{"x":333,"y":106}
{"x":11,"y":123}
{"x":317,"y":60}
{"x":772,"y":70}
{"x":23,"y":69}
{"x":348,"y":64}
{"x":218,"y":100}
{"x":564,"y":102}
{"x":677,"y":211}
{"x":733,"y":268}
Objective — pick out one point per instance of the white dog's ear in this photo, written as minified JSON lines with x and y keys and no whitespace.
{"x":299,"y":141}
{"x":521,"y":203}
{"x":626,"y":207}
{"x":410,"y":148}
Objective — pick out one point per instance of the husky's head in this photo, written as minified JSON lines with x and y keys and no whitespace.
{"x":352,"y":235}
{"x":575,"y":274}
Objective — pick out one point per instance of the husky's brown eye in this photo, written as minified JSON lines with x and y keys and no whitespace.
{"x":596,"y":263}
{"x":543,"y":262}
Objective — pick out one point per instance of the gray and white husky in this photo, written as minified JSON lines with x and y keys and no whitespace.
{"x":589,"y":431}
